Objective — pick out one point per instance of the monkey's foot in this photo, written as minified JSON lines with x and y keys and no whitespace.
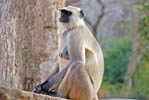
{"x":40,"y":90}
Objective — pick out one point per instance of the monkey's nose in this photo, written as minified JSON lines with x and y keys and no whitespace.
{"x":61,"y":19}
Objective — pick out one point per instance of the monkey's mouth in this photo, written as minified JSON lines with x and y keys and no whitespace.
{"x":63,"y":20}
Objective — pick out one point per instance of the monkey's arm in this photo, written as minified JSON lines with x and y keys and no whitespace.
{"x":76,"y":46}
{"x":76,"y":52}
{"x":55,"y":80}
{"x":40,"y":88}
{"x":55,"y":70}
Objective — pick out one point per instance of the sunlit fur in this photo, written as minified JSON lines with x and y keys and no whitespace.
{"x":83,"y":46}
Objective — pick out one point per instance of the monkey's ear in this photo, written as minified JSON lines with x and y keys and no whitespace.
{"x":82,"y":14}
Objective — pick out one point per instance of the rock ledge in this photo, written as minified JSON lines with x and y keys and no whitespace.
{"x":16,"y":94}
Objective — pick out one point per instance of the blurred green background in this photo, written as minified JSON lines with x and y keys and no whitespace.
{"x":127,"y":61}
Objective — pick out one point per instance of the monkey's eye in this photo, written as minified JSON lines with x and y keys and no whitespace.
{"x":65,"y":12}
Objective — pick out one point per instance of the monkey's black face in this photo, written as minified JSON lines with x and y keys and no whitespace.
{"x":65,"y":16}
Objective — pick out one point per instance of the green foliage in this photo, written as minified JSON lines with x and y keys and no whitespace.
{"x":143,"y":30}
{"x":112,"y":89}
{"x":146,"y":4}
{"x":117,"y":53}
{"x":140,"y":87}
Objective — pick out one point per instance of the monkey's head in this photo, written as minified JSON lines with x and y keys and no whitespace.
{"x":71,"y":17}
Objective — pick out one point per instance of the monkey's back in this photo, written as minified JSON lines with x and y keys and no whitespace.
{"x":96,"y":68}
{"x":94,"y":61}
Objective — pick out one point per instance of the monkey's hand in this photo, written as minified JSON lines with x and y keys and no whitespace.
{"x":56,"y":80}
{"x":42,"y":89}
{"x":52,"y":84}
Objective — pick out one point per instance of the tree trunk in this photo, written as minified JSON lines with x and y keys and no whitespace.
{"x":132,"y":66}
{"x":28,"y":41}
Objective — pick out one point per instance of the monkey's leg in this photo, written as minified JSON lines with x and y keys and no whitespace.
{"x":96,"y":97}
{"x":76,"y":84}
{"x":55,"y":81}
{"x":41,"y":88}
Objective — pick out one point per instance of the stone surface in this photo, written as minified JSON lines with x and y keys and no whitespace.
{"x":28,"y":41}
{"x":16,"y":94}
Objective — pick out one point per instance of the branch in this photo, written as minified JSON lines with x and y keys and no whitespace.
{"x":99,"y":17}
{"x":88,"y":22}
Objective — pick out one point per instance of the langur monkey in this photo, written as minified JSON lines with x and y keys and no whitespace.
{"x":78,"y":74}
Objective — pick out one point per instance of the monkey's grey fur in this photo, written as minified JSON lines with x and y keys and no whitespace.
{"x":78,"y":74}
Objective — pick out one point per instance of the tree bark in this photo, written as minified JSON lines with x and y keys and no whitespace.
{"x":132,"y":66}
{"x":28,"y":41}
